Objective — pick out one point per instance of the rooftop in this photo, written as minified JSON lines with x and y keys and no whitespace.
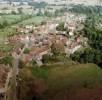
{"x":4,"y":70}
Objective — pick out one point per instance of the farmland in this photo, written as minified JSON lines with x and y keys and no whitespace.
{"x":15,"y":20}
{"x":10,"y":18}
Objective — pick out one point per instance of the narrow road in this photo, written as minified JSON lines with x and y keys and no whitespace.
{"x":13,"y":80}
{"x":15,"y":72}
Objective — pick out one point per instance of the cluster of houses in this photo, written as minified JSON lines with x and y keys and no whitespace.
{"x":39,"y":39}
{"x":8,"y":7}
{"x":5,"y":79}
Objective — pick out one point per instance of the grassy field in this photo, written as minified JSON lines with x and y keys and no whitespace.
{"x":59,"y":80}
{"x":63,"y":76}
{"x":9,"y":30}
{"x":35,"y":20}
{"x":77,"y":75}
{"x":5,"y":48}
{"x":10,"y":18}
{"x":6,"y":31}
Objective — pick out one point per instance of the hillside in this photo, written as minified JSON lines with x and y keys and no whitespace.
{"x":57,"y":81}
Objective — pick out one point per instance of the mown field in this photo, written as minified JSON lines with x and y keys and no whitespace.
{"x":61,"y":78}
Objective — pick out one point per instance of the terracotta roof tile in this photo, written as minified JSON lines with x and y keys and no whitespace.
{"x":3,"y":75}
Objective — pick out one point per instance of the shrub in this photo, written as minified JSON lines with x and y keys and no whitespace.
{"x":26,"y":51}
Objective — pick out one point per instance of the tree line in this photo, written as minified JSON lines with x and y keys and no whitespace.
{"x":94,"y":53}
{"x":6,"y":23}
{"x":86,"y":9}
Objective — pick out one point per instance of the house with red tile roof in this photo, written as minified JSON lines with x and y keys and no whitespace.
{"x":35,"y":53}
{"x":5,"y":76}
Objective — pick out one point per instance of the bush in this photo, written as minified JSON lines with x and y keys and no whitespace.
{"x":21,"y":64}
{"x":6,"y":60}
{"x":33,"y":62}
{"x":13,"y":12}
{"x":46,"y":58}
{"x":61,"y":27}
{"x":26,"y":51}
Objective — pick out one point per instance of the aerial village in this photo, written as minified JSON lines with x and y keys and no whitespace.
{"x":50,"y":43}
{"x":38,"y":39}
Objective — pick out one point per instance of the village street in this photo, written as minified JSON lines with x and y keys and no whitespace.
{"x":15,"y":72}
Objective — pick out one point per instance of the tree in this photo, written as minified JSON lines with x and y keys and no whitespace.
{"x":61,"y":27}
{"x":38,"y":5}
{"x":21,"y":64}
{"x":26,"y":51}
{"x":6,"y":60}
{"x":33,"y":62}
{"x":47,"y":13}
{"x":94,"y":35}
{"x":5,"y":23}
{"x":43,"y":22}
{"x":46,"y":58}
{"x":13,"y":12}
{"x":54,"y":50}
{"x":29,"y":86}
{"x":39,"y":13}
{"x":88,"y":56}
{"x":20,"y":10}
